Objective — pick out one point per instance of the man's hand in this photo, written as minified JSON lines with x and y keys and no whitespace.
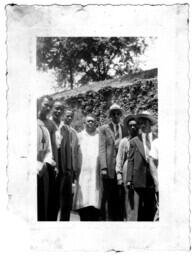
{"x":128,"y":184}
{"x":53,"y":163}
{"x":75,"y":175}
{"x":39,"y":166}
{"x":119,"y":179}
{"x":156,"y":187}
{"x":56,"y":171}
{"x":73,"y":188}
{"x":42,"y":169}
{"x":104,"y":173}
{"x":117,"y":143}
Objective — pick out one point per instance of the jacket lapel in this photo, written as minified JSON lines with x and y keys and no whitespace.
{"x":140,"y":146}
{"x":154,"y":136}
{"x":111,"y":130}
{"x":122,"y":130}
{"x":111,"y":127}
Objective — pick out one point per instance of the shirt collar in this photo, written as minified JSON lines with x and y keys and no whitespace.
{"x":144,"y":135}
{"x":114,"y":125}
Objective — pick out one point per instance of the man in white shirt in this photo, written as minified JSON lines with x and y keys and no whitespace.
{"x":154,"y":161}
{"x":45,"y":163}
{"x":154,"y":157}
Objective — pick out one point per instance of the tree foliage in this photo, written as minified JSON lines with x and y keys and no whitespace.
{"x":78,"y":60}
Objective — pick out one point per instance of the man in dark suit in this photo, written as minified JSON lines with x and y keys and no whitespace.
{"x":110,"y":136}
{"x":68,"y":118}
{"x":139,"y":177}
{"x":62,"y":153}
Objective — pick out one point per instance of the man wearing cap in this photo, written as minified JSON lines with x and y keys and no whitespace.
{"x":130,"y":124}
{"x":110,"y":136}
{"x":139,"y":177}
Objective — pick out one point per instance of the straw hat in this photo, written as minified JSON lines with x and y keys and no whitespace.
{"x":128,"y":118}
{"x":147,"y":115}
{"x":115,"y":107}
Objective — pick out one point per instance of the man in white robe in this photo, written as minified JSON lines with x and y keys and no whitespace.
{"x":88,"y":195}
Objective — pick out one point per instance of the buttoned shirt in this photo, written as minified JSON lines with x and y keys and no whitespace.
{"x":119,"y":129}
{"x":154,"y":152}
{"x":58,"y":136}
{"x":146,"y":149}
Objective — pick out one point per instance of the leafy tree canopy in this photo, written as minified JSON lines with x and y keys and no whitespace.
{"x":78,"y":60}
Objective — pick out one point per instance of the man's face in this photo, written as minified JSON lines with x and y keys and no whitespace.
{"x":46,"y":106}
{"x":132,"y":127}
{"x":115,"y":115}
{"x":144,"y":125}
{"x":68,"y":117}
{"x":90,"y":124}
{"x":57,"y":110}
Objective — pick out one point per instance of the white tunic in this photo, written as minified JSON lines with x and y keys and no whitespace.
{"x":44,"y":149}
{"x":88,"y":189}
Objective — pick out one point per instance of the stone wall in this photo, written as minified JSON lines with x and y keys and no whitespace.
{"x":133,"y":96}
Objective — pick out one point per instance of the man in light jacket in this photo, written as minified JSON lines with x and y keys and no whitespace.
{"x":110,"y":136}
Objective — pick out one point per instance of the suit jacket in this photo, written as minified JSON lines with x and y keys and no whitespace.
{"x":107,"y":150}
{"x":65,"y":147}
{"x":66,"y":159}
{"x":52,"y":129}
{"x":74,"y":150}
{"x":138,"y":168}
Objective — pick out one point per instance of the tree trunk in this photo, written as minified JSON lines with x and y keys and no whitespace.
{"x":71,"y":79}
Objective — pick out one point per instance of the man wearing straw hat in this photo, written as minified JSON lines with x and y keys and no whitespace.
{"x":139,"y":175}
{"x":110,"y":136}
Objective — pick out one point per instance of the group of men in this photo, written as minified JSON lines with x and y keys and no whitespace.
{"x":106,"y":173}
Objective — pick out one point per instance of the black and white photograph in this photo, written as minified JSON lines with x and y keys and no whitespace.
{"x":97,"y":134}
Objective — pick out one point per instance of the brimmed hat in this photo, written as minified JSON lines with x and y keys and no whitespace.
{"x":115,"y":107}
{"x":147,"y":115}
{"x":128,"y":118}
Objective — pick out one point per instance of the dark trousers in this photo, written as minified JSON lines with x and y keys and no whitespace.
{"x":42,"y":196}
{"x":66,"y":196}
{"x":147,"y":204}
{"x":52,"y":203}
{"x":46,"y":199}
{"x":89,"y":213}
{"x":112,"y":207}
{"x":63,"y":192}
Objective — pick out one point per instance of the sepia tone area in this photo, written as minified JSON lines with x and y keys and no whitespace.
{"x":105,"y":109}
